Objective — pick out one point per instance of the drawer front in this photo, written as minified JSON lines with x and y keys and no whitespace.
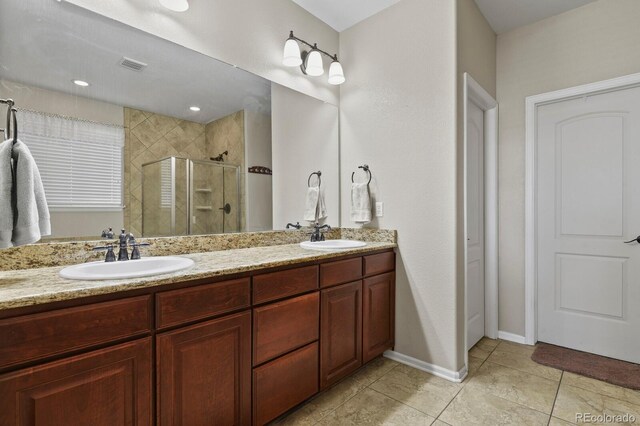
{"x":379,"y":263}
{"x":32,"y":337}
{"x":278,"y":285}
{"x":340,"y":272}
{"x":284,"y":383}
{"x":189,"y":304}
{"x":284,"y":326}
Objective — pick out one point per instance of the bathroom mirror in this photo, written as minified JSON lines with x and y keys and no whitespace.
{"x":133,"y":131}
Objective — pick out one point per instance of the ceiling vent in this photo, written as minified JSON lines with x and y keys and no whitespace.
{"x":132,"y":64}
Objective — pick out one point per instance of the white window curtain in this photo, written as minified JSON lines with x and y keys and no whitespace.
{"x":80,"y":161}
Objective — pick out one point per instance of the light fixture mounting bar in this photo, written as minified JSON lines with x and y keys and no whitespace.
{"x":313,"y":46}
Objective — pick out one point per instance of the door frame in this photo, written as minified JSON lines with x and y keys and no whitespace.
{"x":472,"y":91}
{"x":530,"y":211}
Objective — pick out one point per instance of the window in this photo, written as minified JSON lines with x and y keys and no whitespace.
{"x":80,"y":161}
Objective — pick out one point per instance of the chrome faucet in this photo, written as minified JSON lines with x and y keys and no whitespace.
{"x":318,"y":234}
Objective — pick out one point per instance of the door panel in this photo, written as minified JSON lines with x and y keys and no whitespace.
{"x":378,"y":315}
{"x":588,"y":196}
{"x":475,"y":224}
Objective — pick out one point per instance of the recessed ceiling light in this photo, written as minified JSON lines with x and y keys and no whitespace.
{"x":194,"y":108}
{"x":175,"y":5}
{"x":80,"y":83}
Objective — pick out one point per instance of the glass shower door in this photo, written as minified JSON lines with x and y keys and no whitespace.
{"x":207,"y":198}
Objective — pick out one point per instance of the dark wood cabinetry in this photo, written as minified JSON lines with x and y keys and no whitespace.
{"x":378,"y":318}
{"x":107,"y":387}
{"x":341,"y":332}
{"x":234,"y":350}
{"x":204,"y":373}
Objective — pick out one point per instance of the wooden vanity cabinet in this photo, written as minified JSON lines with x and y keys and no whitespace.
{"x":235,"y":350}
{"x":105,"y":387}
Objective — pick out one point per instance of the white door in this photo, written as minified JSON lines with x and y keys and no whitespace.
{"x":475,"y":224}
{"x":588,"y":204}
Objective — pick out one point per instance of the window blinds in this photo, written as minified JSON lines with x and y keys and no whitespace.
{"x":80,"y":161}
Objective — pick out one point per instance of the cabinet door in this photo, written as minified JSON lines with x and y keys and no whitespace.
{"x":107,"y":387}
{"x":204,"y":373}
{"x":378,"y":318}
{"x":340,"y":332}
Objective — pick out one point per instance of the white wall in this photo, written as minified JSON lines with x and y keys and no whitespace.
{"x":257,"y":152}
{"x":592,"y":43}
{"x":249,"y":34}
{"x":63,"y":223}
{"x":398,"y":115}
{"x":304,"y":140}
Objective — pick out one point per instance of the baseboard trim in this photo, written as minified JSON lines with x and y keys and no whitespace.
{"x":515,"y":338}
{"x":453,"y":376}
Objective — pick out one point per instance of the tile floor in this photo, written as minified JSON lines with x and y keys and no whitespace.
{"x":504,"y":387}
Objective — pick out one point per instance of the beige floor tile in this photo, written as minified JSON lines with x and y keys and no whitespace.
{"x":440,"y":423}
{"x":480,"y":353}
{"x":474,"y":365}
{"x":572,"y":400}
{"x":321,"y":405}
{"x":507,"y":346}
{"x":487,"y":344}
{"x":471,"y":407}
{"x":521,"y":360}
{"x":603,"y":388}
{"x":516,"y":386}
{"x":559,"y":422}
{"x":372,"y":408}
{"x":417,"y":389}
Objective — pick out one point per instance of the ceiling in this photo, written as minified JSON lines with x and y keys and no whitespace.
{"x":342,"y":14}
{"x":505,"y":15}
{"x":64,"y":42}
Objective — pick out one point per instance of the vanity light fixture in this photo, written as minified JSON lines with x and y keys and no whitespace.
{"x":80,"y":83}
{"x":194,"y":108}
{"x":310,"y":62}
{"x":175,"y":5}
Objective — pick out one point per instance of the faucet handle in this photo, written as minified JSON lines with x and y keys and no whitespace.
{"x":110,"y":256}
{"x":135,"y":253}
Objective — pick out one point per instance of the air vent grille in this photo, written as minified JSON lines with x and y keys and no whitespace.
{"x":132,"y":64}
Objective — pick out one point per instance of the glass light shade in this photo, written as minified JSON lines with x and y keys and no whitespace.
{"x":291,"y":56}
{"x":175,"y":5}
{"x":314,"y":63}
{"x":336,"y":74}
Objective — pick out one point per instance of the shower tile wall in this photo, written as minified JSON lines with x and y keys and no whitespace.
{"x":150,"y":137}
{"x":227,"y":134}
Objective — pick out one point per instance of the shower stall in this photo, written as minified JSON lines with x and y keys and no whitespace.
{"x":189,"y":197}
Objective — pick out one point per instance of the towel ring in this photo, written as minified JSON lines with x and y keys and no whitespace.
{"x":366,"y":169}
{"x":319,"y":173}
{"x":14,"y":113}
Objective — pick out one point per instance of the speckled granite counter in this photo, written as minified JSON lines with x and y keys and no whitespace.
{"x":28,"y":287}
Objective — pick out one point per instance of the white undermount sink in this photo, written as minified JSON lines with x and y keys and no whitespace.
{"x":332,"y":244}
{"x":145,"y":267}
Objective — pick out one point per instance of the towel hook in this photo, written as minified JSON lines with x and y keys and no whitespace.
{"x":319,"y":173}
{"x":366,"y":169}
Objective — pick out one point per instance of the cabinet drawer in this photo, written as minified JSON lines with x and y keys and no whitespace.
{"x":32,"y":337}
{"x":189,"y":304}
{"x":283,"y":326}
{"x":284,"y":383}
{"x":379,"y":263}
{"x":342,"y":271}
{"x":278,"y":285}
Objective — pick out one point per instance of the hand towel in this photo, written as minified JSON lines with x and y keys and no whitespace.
{"x":31,"y":219}
{"x":360,"y":203}
{"x":322,"y":207}
{"x":7,"y":202}
{"x":311,"y":203}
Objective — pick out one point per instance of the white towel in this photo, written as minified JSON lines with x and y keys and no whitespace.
{"x":314,"y":207}
{"x":28,"y":220}
{"x":360,"y":203}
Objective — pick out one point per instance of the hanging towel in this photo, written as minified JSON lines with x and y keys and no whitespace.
{"x":360,"y":203}
{"x":7,"y":203}
{"x":314,"y":208}
{"x":30,"y":219}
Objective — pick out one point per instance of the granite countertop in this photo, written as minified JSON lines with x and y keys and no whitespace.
{"x":28,"y":287}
